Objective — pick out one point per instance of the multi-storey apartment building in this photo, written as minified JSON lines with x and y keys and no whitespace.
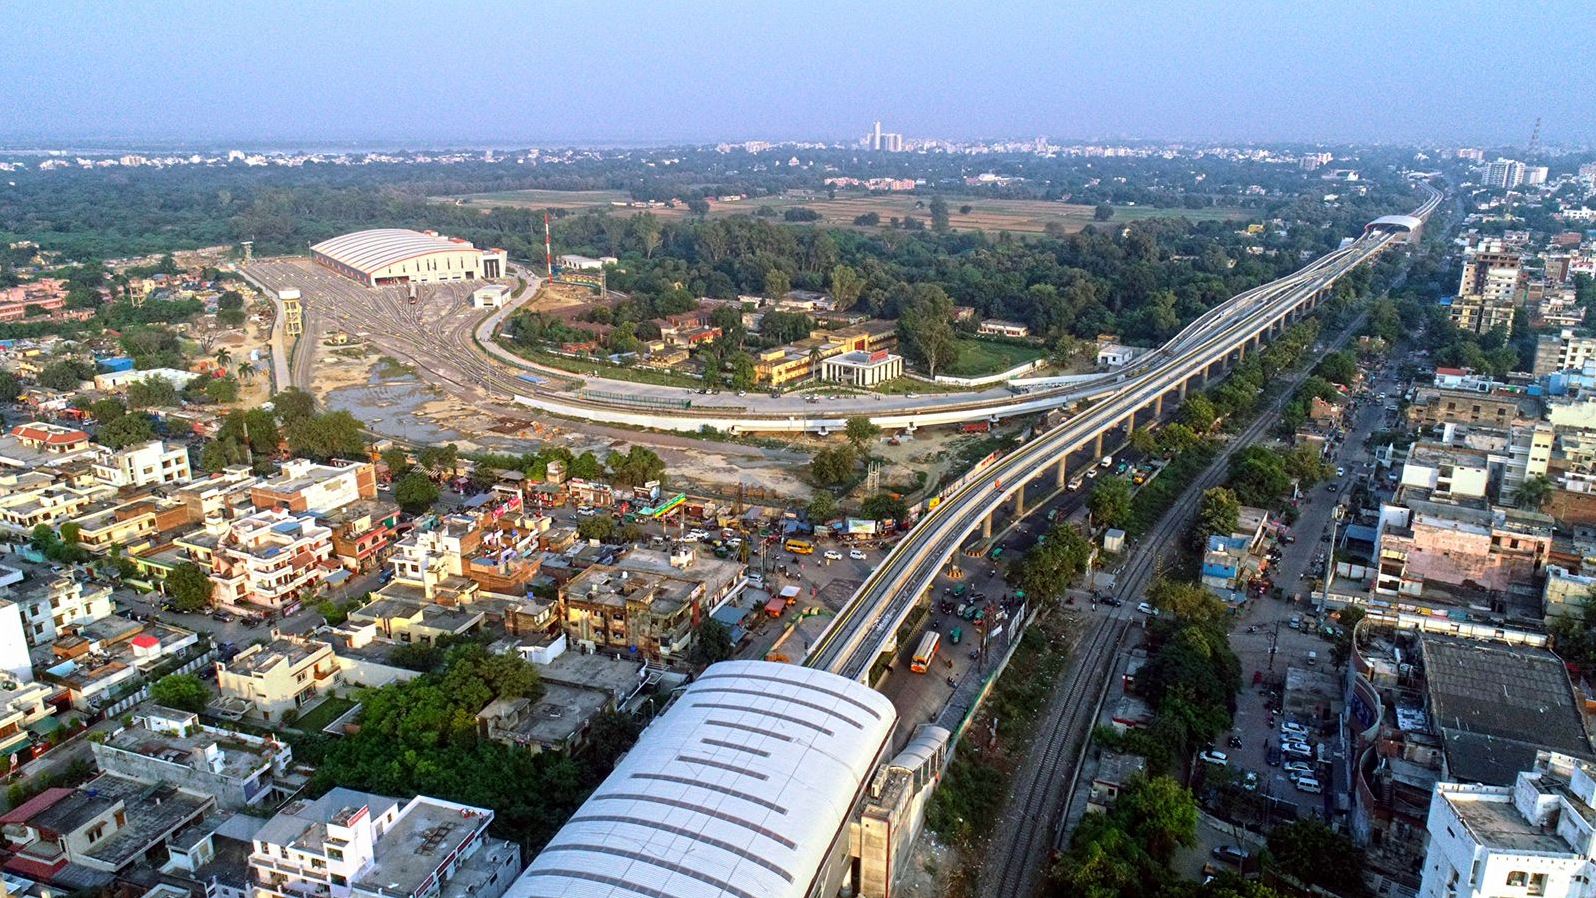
{"x":280,"y":676}
{"x":1491,"y":289}
{"x":304,"y":485}
{"x":147,"y":464}
{"x":269,"y":559}
{"x":349,"y":844}
{"x":1533,"y":839}
{"x":49,"y":606}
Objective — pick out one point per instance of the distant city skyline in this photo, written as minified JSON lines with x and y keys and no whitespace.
{"x":452,"y":74}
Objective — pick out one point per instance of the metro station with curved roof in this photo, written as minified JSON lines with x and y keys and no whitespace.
{"x":400,"y":256}
{"x":744,"y":788}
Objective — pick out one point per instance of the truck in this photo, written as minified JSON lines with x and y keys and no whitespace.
{"x":976,"y":427}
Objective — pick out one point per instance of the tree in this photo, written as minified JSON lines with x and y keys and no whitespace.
{"x":222,"y":389}
{"x":397,"y":460}
{"x":230,"y":299}
{"x":884,"y":506}
{"x":183,"y":692}
{"x":939,"y":215}
{"x":1110,"y":502}
{"x":868,"y":220}
{"x":1314,"y":854}
{"x":1161,"y":815}
{"x":711,"y":643}
{"x":1103,"y":212}
{"x":1258,"y":476}
{"x":698,"y":206}
{"x":966,"y":209}
{"x":1047,"y":568}
{"x":1144,"y":441}
{"x":326,"y":436}
{"x":777,"y":284}
{"x":1186,"y":602}
{"x":925,"y":328}
{"x":293,"y":404}
{"x":822,"y":507}
{"x":860,"y":430}
{"x":846,"y":287}
{"x":64,"y":375}
{"x":189,"y":586}
{"x":599,"y":526}
{"x":1177,"y":438}
{"x":647,"y":228}
{"x":415,"y":492}
{"x":1220,"y":512}
{"x":585,"y":467}
{"x":1534,"y":492}
{"x":636,"y":466}
{"x":1198,"y":413}
{"x":128,"y":430}
{"x":10,"y":387}
{"x":832,"y":465}
{"x":1339,"y":367}
{"x":151,"y":392}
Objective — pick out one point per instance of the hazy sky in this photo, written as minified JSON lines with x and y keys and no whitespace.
{"x":456,"y":73}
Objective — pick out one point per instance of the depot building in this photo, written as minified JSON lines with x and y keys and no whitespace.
{"x":399,"y":256}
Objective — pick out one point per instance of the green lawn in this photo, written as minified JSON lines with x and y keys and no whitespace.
{"x":318,"y":717}
{"x":978,"y":357}
{"x":605,"y":369}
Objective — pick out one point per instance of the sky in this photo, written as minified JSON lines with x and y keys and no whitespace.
{"x":448,"y":73}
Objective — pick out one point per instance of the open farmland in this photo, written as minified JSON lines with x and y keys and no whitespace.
{"x":1018,"y":216}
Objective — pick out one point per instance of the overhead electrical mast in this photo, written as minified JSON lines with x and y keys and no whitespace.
{"x":548,"y":245}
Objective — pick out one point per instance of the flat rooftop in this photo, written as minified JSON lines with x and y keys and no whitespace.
{"x":413,"y":849}
{"x":1496,"y":823}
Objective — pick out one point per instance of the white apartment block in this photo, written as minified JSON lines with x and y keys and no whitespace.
{"x":1447,"y":473}
{"x":269,"y":559}
{"x":1565,"y":351}
{"x":280,"y":676}
{"x":148,"y":464}
{"x":14,"y":660}
{"x":1531,"y":840}
{"x":350,"y":844}
{"x":49,"y":606}
{"x":305,"y":485}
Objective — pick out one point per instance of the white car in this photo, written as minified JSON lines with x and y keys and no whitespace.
{"x":1341,"y":472}
{"x":1294,"y":729}
{"x":1297,"y":749}
{"x":734,"y":542}
{"x":1144,"y":608}
{"x":833,"y":555}
{"x":1295,"y":769}
{"x":1215,"y":757}
{"x":585,"y":511}
{"x":856,"y":554}
{"x":1310,"y":785}
{"x":693,"y":536}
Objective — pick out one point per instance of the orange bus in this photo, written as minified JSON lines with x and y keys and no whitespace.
{"x":927,"y":652}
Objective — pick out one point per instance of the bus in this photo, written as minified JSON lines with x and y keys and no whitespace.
{"x":800,"y":547}
{"x":927,"y":652}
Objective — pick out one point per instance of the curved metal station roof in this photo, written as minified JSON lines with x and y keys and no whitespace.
{"x":737,"y":791}
{"x":379,"y":248}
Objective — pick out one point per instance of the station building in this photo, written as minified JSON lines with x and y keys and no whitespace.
{"x":398,"y":256}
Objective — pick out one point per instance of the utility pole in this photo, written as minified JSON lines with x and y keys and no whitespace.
{"x":1274,"y":641}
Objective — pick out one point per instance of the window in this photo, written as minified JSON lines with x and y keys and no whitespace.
{"x":1517,"y":879}
{"x":1537,"y":884}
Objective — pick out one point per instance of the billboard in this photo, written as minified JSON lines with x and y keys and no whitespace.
{"x":857,"y":527}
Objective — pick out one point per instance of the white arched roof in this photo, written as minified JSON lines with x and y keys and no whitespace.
{"x":737,"y":791}
{"x":376,"y":249}
{"x":1398,"y":221}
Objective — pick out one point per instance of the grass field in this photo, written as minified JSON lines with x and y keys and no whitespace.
{"x":328,"y":711}
{"x":978,"y":357}
{"x":1019,"y":216}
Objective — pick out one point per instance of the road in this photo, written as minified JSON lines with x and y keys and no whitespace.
{"x":867,"y":626}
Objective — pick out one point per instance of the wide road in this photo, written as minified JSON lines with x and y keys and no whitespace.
{"x":866,"y":626}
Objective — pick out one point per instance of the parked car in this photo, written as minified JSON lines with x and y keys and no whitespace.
{"x":1272,"y":756}
{"x":1295,"y":769}
{"x":1297,"y":750}
{"x":1215,"y":757}
{"x":856,"y":554}
{"x":1144,"y":608}
{"x":833,"y":555}
{"x":1292,"y":728}
{"x":1231,"y":854}
{"x":1309,"y":784}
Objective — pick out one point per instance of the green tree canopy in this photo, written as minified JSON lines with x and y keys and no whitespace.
{"x":415,"y":492}
{"x":1110,"y":502}
{"x":183,"y":692}
{"x":189,"y":586}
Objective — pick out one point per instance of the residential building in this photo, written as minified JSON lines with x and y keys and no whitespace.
{"x":303,"y":485}
{"x":1503,"y":173}
{"x":51,"y":439}
{"x":14,"y":659}
{"x":280,"y":676}
{"x":219,"y":498}
{"x":349,"y":844}
{"x":997,"y":327}
{"x":169,"y":746}
{"x":1565,"y":593}
{"x":611,"y":609}
{"x":1447,"y":472}
{"x":75,"y":838}
{"x":1564,"y":351}
{"x":862,"y":369}
{"x":362,"y":533}
{"x":48,"y":606}
{"x":1491,"y":289}
{"x":1499,"y":409}
{"x":147,"y":464}
{"x":1461,"y":549}
{"x":1536,"y":837}
{"x":1116,"y":355}
{"x":269,"y":559}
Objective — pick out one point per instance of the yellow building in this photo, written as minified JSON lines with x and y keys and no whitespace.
{"x":798,"y":362}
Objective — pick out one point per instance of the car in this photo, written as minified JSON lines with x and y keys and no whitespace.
{"x":1295,"y":769}
{"x":585,"y":511}
{"x":734,"y":542}
{"x":1272,"y":756}
{"x":1341,"y":472}
{"x":1144,"y":608}
{"x":1332,"y":487}
{"x":833,"y":555}
{"x":1295,"y":730}
{"x":856,"y":554}
{"x":222,"y":617}
{"x":1091,"y":474}
{"x":1231,"y":854}
{"x":1113,"y":601}
{"x":692,"y":536}
{"x":1309,"y":784}
{"x":1296,"y":749}
{"x":1288,"y":539}
{"x":1214,"y":757}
